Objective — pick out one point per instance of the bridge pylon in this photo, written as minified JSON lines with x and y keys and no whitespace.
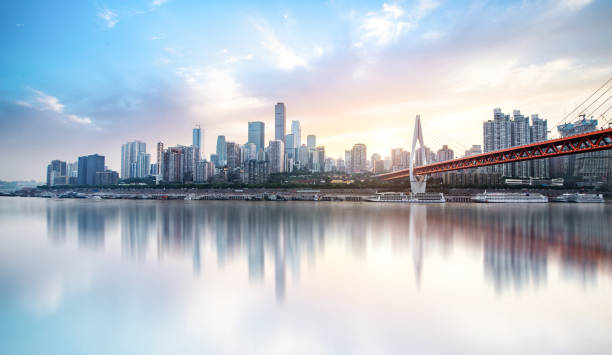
{"x":417,"y":183}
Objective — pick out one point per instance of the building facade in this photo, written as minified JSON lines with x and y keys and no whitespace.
{"x":280,"y":121}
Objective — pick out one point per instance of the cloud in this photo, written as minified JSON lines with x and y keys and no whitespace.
{"x":80,"y":120}
{"x":216,"y":90}
{"x":18,"y":25}
{"x":109,"y":17}
{"x":283,"y":56}
{"x":43,"y":102}
{"x":388,"y":24}
{"x":574,"y":5}
{"x":158,"y":2}
{"x":155,"y":38}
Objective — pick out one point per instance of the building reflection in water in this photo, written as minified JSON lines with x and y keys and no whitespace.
{"x":517,"y":242}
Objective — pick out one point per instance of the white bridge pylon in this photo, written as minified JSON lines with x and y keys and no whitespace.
{"x":417,"y":184}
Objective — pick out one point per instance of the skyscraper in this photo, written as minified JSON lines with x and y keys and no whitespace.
{"x":311,"y":141}
{"x":497,"y":134}
{"x":233,"y":155}
{"x":276,"y":154}
{"x":160,"y":151}
{"x":289,"y":146}
{"x":445,"y":153}
{"x":521,"y":135}
{"x":280,"y":121}
{"x":197,"y":142}
{"x":257,"y":134}
{"x":56,"y":173}
{"x":539,"y":132}
{"x":359,"y":158}
{"x":296,"y":130}
{"x":130,"y":152}
{"x":88,"y":167}
{"x":221,"y":151}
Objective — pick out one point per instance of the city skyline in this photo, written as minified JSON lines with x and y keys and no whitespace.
{"x":360,"y":78}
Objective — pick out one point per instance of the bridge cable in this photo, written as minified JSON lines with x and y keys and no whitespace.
{"x":593,"y":112}
{"x":591,"y":104}
{"x":587,"y":99}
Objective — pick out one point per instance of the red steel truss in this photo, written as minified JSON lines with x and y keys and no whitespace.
{"x":581,"y":143}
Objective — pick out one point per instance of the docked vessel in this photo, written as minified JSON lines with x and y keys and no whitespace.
{"x":427,"y":197}
{"x":580,"y":198}
{"x":503,"y":197}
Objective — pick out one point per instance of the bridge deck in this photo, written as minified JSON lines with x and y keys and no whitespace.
{"x":581,"y":143}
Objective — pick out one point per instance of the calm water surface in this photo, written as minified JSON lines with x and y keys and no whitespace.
{"x":216,"y":277}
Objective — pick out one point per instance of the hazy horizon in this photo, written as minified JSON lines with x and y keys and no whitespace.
{"x":86,"y":77}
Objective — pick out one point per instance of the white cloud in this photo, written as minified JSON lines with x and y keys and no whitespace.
{"x":80,"y":120}
{"x":109,"y":17}
{"x":388,"y":24}
{"x":19,"y":25}
{"x":158,"y":2}
{"x":155,"y":38}
{"x":284,"y":57}
{"x":216,"y":90}
{"x":574,"y":5}
{"x":44,"y":102}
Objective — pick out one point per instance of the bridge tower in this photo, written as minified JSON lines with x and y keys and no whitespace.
{"x":417,"y":183}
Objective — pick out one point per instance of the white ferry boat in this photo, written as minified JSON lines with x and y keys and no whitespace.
{"x":401,"y":197}
{"x":503,"y":197}
{"x":580,"y":198}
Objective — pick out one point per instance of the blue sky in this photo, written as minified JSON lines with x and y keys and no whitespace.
{"x":83,"y":77}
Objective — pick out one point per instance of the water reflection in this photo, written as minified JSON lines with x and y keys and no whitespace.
{"x":518,"y":243}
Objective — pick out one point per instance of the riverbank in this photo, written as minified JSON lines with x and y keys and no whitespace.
{"x":249,"y":194}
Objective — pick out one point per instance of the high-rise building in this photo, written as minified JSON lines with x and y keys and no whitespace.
{"x":107,"y":177}
{"x":503,"y":132}
{"x":88,"y":167}
{"x":521,"y":135}
{"x":143,"y":164}
{"x":396,"y":159}
{"x":197,"y":142}
{"x":189,"y":162}
{"x":318,"y":160}
{"x":276,"y":156}
{"x":359,"y":158}
{"x":474,"y":150}
{"x":160,"y":151}
{"x":172,"y":165}
{"x":497,"y":134}
{"x":296,"y":130}
{"x":57,"y":173}
{"x":233,"y":155}
{"x":445,"y":154}
{"x":130,"y":152}
{"x":347,"y":161}
{"x":311,"y":141}
{"x":584,"y":169}
{"x":221,"y":151}
{"x":340,"y":165}
{"x":257,"y":134}
{"x":303,"y":156}
{"x":280,"y":121}
{"x":540,"y":168}
{"x":289,"y":146}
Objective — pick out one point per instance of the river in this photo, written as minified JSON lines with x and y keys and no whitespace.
{"x":219,"y":277}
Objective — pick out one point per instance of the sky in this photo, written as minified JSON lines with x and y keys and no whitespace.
{"x":84,"y":77}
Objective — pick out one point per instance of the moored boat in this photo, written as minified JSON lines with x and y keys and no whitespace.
{"x":511,"y":197}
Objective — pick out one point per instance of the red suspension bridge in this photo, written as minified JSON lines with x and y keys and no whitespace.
{"x":575,"y":144}
{"x":582,"y":143}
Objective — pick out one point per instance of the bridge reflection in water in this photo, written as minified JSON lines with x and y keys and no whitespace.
{"x":517,"y":243}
